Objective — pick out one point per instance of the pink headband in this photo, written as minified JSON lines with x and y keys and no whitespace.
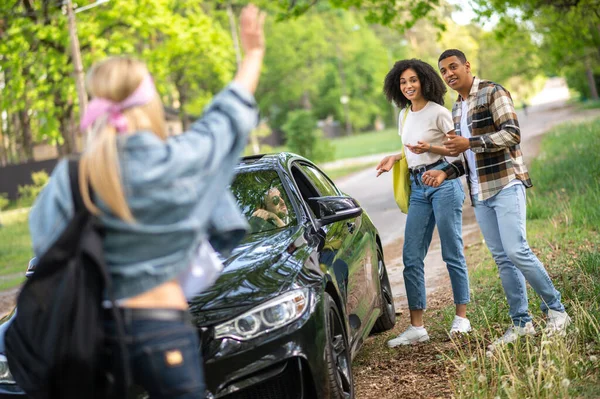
{"x":101,"y":106}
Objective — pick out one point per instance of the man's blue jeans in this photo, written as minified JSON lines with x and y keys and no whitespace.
{"x":429,"y":206}
{"x":502,"y":222}
{"x":164,"y":358}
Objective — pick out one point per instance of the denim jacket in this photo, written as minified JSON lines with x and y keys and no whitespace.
{"x":176,"y":190}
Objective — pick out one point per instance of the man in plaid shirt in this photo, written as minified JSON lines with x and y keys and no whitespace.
{"x":488,"y":136}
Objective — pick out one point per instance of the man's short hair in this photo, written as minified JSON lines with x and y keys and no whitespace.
{"x":453,"y":52}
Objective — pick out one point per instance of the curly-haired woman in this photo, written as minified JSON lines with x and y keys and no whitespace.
{"x":415,"y":86}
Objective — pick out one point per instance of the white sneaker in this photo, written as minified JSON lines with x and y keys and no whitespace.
{"x":557,"y":322}
{"x":460,"y":325}
{"x":512,"y":333}
{"x":412,"y":335}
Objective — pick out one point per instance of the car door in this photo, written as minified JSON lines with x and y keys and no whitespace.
{"x":346,"y":253}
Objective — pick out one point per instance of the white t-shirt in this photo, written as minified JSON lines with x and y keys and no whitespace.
{"x":429,"y":125}
{"x":469,"y":156}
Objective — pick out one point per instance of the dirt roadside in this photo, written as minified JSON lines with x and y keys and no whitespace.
{"x":419,"y":371}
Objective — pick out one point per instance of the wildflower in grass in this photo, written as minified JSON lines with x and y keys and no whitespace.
{"x":489,"y":354}
{"x":546,"y":343}
{"x":565,"y":383}
{"x":530,"y":371}
{"x":481,"y":378}
{"x":462,"y":367}
{"x":593,"y":359}
{"x":473,"y":359}
{"x":548,"y":386}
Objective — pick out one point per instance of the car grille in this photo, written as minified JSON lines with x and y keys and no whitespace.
{"x":286,"y":385}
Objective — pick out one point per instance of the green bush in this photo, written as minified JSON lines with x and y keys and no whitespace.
{"x":305,"y":139}
{"x":28,"y":193}
{"x":3,"y":201}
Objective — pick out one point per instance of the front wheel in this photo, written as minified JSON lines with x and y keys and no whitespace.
{"x":337,"y":353}
{"x":387,"y":320}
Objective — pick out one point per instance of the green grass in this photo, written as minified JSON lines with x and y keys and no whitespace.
{"x":15,"y":247}
{"x":567,"y":176}
{"x":589,"y":104}
{"x":385,"y":141}
{"x":369,"y":143}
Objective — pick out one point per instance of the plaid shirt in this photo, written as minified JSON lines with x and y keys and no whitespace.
{"x":495,"y":138}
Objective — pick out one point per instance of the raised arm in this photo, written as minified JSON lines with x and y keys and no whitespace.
{"x":221,"y":133}
{"x":253,"y":44}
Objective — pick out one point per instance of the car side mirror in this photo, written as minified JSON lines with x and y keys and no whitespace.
{"x":333,"y":209}
{"x":31,"y":267}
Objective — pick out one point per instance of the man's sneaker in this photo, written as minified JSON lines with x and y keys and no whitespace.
{"x":460,"y":325}
{"x":412,"y":335}
{"x":557,"y":322}
{"x":512,"y":334}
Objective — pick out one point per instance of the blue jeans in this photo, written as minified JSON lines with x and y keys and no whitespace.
{"x":502,"y":222}
{"x":164,"y":358}
{"x":429,"y":206}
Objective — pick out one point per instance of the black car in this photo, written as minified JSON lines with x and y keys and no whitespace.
{"x":297,"y":298}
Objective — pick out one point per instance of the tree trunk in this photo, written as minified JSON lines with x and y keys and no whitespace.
{"x":13,"y":142}
{"x":182,"y":93}
{"x":65,"y":126}
{"x":2,"y":148}
{"x":306,"y":101}
{"x":591,"y":81}
{"x":344,"y":99}
{"x":68,"y":145}
{"x":234,"y":35}
{"x":26,"y":136}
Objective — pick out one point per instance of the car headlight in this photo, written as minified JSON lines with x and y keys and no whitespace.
{"x":269,"y":316}
{"x":5,"y":375}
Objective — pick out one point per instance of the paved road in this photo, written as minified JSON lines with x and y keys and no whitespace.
{"x":548,"y":109}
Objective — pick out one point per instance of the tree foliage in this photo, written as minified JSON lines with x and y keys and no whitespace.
{"x":325,"y":60}
{"x":566,"y":31}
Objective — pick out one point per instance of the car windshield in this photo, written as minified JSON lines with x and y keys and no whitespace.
{"x":262,"y":199}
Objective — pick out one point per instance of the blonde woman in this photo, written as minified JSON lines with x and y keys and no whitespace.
{"x":157,"y":197}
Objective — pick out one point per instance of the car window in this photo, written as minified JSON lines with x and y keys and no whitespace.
{"x":322,"y":183}
{"x":262,"y":199}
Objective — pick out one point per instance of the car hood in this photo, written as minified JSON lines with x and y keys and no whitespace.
{"x":256,"y":271}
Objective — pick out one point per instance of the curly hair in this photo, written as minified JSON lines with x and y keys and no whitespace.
{"x":432,"y":85}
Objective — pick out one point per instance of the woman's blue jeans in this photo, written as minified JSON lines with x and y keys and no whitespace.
{"x":164,"y":358}
{"x":431,"y":207}
{"x":502,"y":222}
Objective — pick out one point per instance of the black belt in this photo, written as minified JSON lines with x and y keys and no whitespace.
{"x":150,"y":314}
{"x":423,"y":168}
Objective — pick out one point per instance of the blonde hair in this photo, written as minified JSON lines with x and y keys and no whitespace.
{"x":115,"y":79}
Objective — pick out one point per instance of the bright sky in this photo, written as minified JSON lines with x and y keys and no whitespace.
{"x":463,"y":17}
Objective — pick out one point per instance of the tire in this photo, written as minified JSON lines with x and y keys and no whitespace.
{"x":387,"y":320}
{"x":337,"y":353}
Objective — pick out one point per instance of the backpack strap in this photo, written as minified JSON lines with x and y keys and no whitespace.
{"x":79,"y":206}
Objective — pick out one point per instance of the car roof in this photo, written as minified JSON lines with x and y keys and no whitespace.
{"x":280,"y":159}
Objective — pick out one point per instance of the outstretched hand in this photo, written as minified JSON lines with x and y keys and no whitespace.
{"x":385,"y":165}
{"x":421,"y":147}
{"x":251,"y":29}
{"x":434,"y":177}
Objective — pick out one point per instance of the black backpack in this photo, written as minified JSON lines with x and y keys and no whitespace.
{"x":54,"y":343}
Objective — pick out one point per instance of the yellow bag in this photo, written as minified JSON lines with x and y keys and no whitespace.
{"x":401,"y":178}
